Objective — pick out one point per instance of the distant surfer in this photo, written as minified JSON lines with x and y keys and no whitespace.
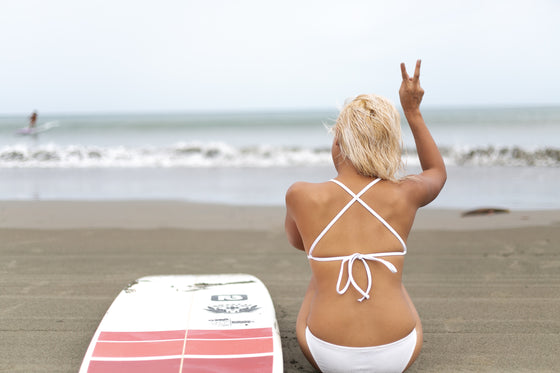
{"x":33,"y":120}
{"x":33,"y":129}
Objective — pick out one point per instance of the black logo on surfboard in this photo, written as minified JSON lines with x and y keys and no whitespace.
{"x":233,"y":308}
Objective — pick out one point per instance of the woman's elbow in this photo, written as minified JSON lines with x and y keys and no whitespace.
{"x":292,"y":232}
{"x":443,"y":178}
{"x":297,"y":243}
{"x":295,"y":240}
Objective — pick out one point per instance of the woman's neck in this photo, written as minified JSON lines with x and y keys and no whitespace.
{"x":347,"y":171}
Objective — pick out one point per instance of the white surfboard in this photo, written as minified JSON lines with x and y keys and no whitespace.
{"x":188,"y":323}
{"x":36,"y":130}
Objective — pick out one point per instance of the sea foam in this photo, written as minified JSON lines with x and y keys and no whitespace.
{"x":219,"y":154}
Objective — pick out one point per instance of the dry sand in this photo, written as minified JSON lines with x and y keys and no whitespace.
{"x":487,"y":288}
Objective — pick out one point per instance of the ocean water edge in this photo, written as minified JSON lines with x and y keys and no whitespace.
{"x":507,"y":157}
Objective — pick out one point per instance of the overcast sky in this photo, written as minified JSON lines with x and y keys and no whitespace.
{"x":69,"y":56}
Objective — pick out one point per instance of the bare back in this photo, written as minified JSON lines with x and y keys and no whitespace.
{"x":340,"y":318}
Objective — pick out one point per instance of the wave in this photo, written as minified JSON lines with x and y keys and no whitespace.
{"x":503,"y":156}
{"x":179,"y":155}
{"x":223,"y":155}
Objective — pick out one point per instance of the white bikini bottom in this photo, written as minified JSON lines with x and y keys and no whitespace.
{"x":391,"y":357}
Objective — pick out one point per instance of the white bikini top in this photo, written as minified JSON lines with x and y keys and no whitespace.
{"x":350,"y":259}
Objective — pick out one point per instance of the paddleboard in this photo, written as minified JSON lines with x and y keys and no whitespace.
{"x":35,"y":130}
{"x":188,"y":323}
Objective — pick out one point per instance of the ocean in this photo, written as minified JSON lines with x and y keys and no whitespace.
{"x":496,"y":157}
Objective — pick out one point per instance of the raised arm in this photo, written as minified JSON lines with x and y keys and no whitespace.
{"x":428,"y":184}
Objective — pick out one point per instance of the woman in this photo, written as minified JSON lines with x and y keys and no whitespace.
{"x":356,"y":315}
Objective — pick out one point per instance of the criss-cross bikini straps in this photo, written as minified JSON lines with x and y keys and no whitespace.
{"x":350,"y":259}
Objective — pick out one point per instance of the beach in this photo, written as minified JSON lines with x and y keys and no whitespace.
{"x":487,"y":288}
{"x":101,"y":200}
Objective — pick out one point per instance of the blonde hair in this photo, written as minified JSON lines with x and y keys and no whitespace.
{"x":369,"y":135}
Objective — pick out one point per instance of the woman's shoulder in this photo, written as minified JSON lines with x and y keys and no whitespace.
{"x":302,"y":187}
{"x":304,"y":192}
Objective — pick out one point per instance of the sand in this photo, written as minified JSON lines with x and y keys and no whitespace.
{"x":487,"y":287}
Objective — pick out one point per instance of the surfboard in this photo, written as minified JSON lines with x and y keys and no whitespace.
{"x":188,"y":323}
{"x":33,"y":131}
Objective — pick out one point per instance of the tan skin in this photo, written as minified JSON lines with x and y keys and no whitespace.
{"x":389,"y":314}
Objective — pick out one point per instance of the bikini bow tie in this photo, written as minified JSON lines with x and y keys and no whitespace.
{"x":363,"y":258}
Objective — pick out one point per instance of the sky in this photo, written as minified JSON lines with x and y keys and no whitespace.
{"x":68,"y":56}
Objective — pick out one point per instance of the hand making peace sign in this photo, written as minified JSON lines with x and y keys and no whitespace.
{"x":411,"y":92}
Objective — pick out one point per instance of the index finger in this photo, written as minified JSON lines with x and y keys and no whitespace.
{"x":403,"y":72}
{"x":417,"y":70}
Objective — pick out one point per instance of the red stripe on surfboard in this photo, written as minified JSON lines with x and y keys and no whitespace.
{"x":138,"y":349}
{"x":259,"y":364}
{"x":180,"y":334}
{"x":228,"y":334}
{"x":229,"y":347}
{"x":144,"y":366}
{"x":142,"y":336}
{"x":170,"y":343}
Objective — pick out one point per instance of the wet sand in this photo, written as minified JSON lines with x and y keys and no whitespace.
{"x":487,"y":287}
